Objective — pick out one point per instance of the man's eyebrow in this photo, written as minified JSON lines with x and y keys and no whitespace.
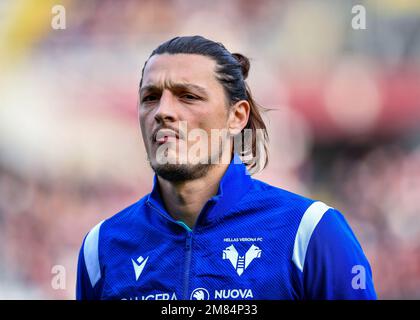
{"x":174,"y":87}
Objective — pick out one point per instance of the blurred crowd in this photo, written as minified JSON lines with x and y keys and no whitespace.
{"x":70,"y":148}
{"x":44,"y":220}
{"x":377,"y":189}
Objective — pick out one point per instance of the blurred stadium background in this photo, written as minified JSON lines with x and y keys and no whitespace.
{"x":346,"y":128}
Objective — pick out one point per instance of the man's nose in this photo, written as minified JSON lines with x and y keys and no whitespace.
{"x":166,"y":110}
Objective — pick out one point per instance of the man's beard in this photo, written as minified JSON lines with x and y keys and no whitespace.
{"x":181,"y":172}
{"x":178,"y":172}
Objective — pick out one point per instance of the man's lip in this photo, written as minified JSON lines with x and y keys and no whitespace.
{"x":163,"y":135}
{"x":165,"y":139}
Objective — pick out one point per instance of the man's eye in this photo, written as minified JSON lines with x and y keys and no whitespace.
{"x":149,"y":98}
{"x":189,"y":97}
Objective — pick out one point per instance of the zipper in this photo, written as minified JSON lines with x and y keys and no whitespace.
{"x":187,"y":264}
{"x":188,"y":251}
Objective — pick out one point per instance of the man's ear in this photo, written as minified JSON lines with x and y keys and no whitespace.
{"x":238,"y":117}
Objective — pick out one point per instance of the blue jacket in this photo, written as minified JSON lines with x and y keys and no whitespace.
{"x":250,"y":241}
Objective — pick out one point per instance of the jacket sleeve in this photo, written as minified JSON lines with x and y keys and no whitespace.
{"x":89,"y":274}
{"x":335,"y":266}
{"x":84,"y":289}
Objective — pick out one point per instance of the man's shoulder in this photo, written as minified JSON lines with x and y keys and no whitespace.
{"x":121,"y":219}
{"x":264,"y":194}
{"x":133,"y":211}
{"x":282,"y":206}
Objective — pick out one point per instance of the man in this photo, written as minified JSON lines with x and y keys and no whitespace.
{"x":208,"y":230}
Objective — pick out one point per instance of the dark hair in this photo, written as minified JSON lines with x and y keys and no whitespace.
{"x":231,"y":71}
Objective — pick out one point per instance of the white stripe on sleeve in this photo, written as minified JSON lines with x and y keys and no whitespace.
{"x":90,"y":251}
{"x":310,"y":220}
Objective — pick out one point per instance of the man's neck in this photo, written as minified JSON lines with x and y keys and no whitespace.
{"x":185,"y":200}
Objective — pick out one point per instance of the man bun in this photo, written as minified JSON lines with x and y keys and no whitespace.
{"x":244,"y":62}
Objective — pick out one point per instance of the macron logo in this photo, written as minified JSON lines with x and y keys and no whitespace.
{"x":139,"y":265}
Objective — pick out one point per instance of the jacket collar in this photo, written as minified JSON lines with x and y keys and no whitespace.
{"x":233,"y":186}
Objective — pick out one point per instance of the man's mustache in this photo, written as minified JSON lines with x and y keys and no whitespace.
{"x":167,"y":131}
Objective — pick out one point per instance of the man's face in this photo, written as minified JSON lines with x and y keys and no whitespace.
{"x":180,"y":94}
